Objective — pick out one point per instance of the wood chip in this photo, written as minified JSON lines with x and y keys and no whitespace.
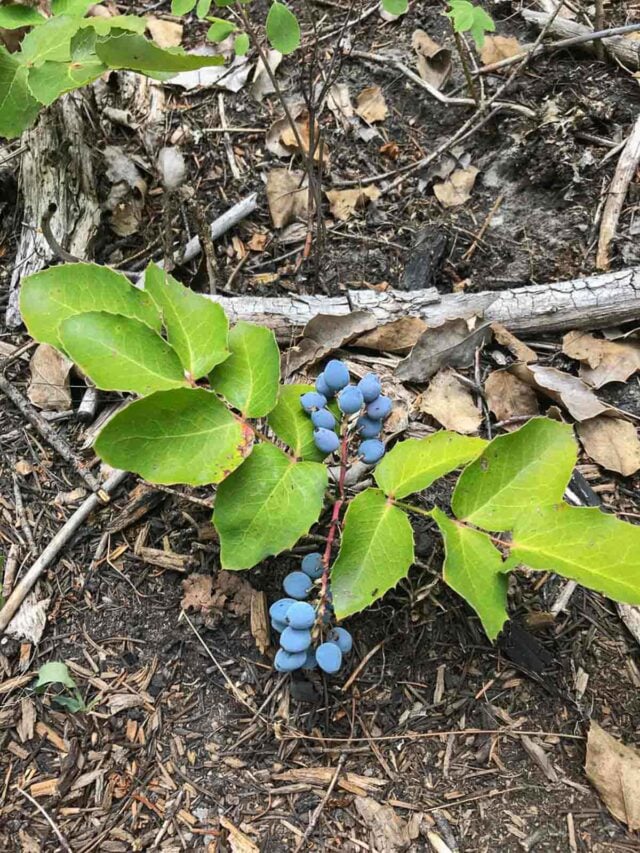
{"x":260,"y":630}
{"x":322,"y":777}
{"x":238,"y":841}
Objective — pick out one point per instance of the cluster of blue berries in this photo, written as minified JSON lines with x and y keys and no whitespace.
{"x":294,"y":619}
{"x":352,"y":399}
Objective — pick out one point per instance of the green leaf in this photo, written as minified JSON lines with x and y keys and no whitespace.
{"x":529,"y":467}
{"x":49,"y":297}
{"x":241,"y":44}
{"x":581,"y":543}
{"x":182,"y":7}
{"x":197,"y":328}
{"x":182,"y":436}
{"x":138,"y":54}
{"x":70,"y":703}
{"x":78,"y":8}
{"x":292,"y":425}
{"x":202,"y":9}
{"x":482,"y":23}
{"x":283,"y":30}
{"x":103,"y":26}
{"x":54,"y":672}
{"x":121,"y":354}
{"x":414,"y":464}
{"x":265,"y":506}
{"x":248,"y":379}
{"x":375,"y":553}
{"x":220,"y":29}
{"x":52,"y":79}
{"x":15,"y":16}
{"x":395,"y":7}
{"x":473,"y":567}
{"x":18,"y":109}
{"x":49,"y":42}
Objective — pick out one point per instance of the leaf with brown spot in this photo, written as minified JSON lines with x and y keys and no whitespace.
{"x":287,"y":196}
{"x":496,"y":48}
{"x":344,"y":203}
{"x":371,"y":105}
{"x":515,"y":346}
{"x":49,"y":384}
{"x":570,"y":391}
{"x":612,"y":443}
{"x":602,"y":361}
{"x":450,"y":403}
{"x":456,"y":190}
{"x":614,"y":771}
{"x":508,"y":397}
{"x":398,"y":336}
{"x":432,"y":60}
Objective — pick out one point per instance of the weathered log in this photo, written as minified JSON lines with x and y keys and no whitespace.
{"x":594,"y":302}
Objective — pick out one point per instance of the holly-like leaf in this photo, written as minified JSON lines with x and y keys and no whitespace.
{"x":15,"y":16}
{"x":395,"y":7}
{"x":414,"y":464}
{"x":220,"y":29}
{"x":473,"y":567}
{"x":121,"y":354}
{"x":375,"y":553}
{"x":197,"y":328}
{"x":127,"y":50}
{"x":584,"y":544}
{"x":265,"y":506}
{"x":249,"y":378}
{"x":49,"y":297}
{"x":292,"y":425}
{"x":283,"y":30}
{"x":182,"y":436}
{"x":49,"y":42}
{"x":529,"y":467}
{"x":18,"y":108}
{"x":54,"y":672}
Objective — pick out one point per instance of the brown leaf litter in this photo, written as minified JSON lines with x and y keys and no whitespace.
{"x":450,"y":402}
{"x":371,"y":105}
{"x":451,"y":344}
{"x":49,"y":387}
{"x":287,"y":196}
{"x":432,"y":60}
{"x":456,"y":189}
{"x":570,"y":391}
{"x":228,"y":590}
{"x":614,"y":771}
{"x":611,"y":442}
{"x":344,"y":203}
{"x":602,"y":361}
{"x":509,"y":398}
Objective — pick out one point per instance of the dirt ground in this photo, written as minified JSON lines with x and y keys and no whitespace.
{"x":190,"y":741}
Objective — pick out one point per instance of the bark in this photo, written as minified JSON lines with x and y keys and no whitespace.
{"x":584,"y":303}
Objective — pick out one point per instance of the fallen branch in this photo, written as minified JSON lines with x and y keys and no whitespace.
{"x":583,"y":303}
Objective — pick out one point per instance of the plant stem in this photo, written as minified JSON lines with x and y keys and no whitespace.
{"x":411,"y":508}
{"x":334,"y":524}
{"x":465,"y":65}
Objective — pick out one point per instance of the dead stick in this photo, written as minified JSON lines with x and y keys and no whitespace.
{"x":26,"y":584}
{"x":22,"y":518}
{"x":51,"y":437}
{"x":10,"y":571}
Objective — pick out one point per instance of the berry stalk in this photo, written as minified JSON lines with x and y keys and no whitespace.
{"x":335,"y":517}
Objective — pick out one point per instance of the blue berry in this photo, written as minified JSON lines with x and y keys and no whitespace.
{"x":287,"y":662}
{"x":292,"y":640}
{"x":301,"y":615}
{"x":278,"y":626}
{"x":336,"y":375}
{"x":342,"y":638}
{"x":312,"y":565}
{"x":323,"y":418}
{"x":311,"y":662}
{"x":323,"y":388}
{"x":371,"y":451}
{"x":326,"y":440}
{"x":278,"y":609}
{"x":380,"y":408}
{"x":297,"y":585}
{"x":312,"y":401}
{"x":329,"y":657}
{"x":350,"y":400}
{"x":367,"y":427}
{"x":370,"y":386}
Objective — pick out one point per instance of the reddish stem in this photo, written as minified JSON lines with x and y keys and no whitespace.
{"x":334,"y":524}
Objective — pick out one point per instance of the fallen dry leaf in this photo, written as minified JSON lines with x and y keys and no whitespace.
{"x":612,"y":443}
{"x":164,"y":33}
{"x":287,"y":196}
{"x":614,"y":771}
{"x":389,"y":833}
{"x":339,"y":102}
{"x":390,"y":150}
{"x":371,"y":105}
{"x":258,"y":241}
{"x":205,"y":593}
{"x":452,"y":344}
{"x":515,"y":346}
{"x":432,"y":60}
{"x":602,"y":361}
{"x":261,"y":86}
{"x":570,"y":391}
{"x":49,"y":384}
{"x":325,"y":333}
{"x":343,"y":203}
{"x":399,"y":336}
{"x":232,"y":76}
{"x":496,"y":48}
{"x":457,"y":188}
{"x":30,"y":620}
{"x":289,"y":139}
{"x":450,"y":403}
{"x":508,"y":397}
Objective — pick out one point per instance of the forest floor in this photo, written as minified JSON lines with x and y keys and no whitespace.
{"x":433,"y":738}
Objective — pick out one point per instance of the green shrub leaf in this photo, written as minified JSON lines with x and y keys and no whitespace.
{"x":121,"y":354}
{"x":49,"y":297}
{"x":103,"y":26}
{"x":395,"y":7}
{"x":13,"y":17}
{"x":18,"y":109}
{"x":51,"y":41}
{"x":474,"y":568}
{"x":220,"y":29}
{"x":283,"y":30}
{"x":241,"y":44}
{"x":292,"y":425}
{"x":182,"y":7}
{"x":529,"y":467}
{"x":52,"y":79}
{"x":375,"y":553}
{"x":249,"y":378}
{"x":182,"y":436}
{"x":582,"y":543}
{"x":127,"y":50}
{"x":265,"y":506}
{"x":197,"y":328}
{"x":78,"y":8}
{"x":202,"y":8}
{"x":469,"y":18}
{"x":414,"y":464}
{"x":54,"y":672}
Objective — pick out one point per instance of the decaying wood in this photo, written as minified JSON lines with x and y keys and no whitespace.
{"x":584,"y":303}
{"x":625,"y":170}
{"x":626,"y":50}
{"x":56,"y":167}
